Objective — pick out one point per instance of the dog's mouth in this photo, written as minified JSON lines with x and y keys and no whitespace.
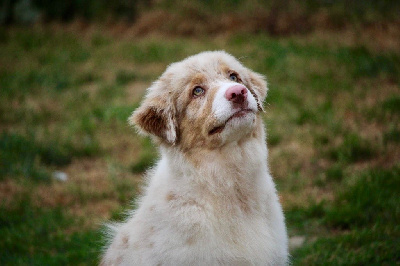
{"x":220,"y":128}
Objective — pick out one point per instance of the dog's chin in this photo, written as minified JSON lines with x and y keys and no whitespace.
{"x":235,"y":127}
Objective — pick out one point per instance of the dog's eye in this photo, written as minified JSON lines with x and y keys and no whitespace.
{"x":198,"y":91}
{"x":233,"y":77}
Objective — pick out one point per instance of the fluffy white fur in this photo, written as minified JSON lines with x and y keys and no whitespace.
{"x":209,"y":204}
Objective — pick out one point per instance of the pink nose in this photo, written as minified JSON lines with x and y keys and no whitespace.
{"x":236,"y":94}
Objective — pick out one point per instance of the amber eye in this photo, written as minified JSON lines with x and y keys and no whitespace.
{"x":198,"y":91}
{"x":233,"y":77}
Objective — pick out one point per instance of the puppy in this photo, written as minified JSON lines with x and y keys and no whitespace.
{"x":210,"y":199}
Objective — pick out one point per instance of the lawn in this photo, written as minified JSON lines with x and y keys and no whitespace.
{"x":332,"y":117}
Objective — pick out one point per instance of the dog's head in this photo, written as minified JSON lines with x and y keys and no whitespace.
{"x":206,"y":100}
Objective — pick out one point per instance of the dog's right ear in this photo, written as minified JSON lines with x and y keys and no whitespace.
{"x":156,"y":115}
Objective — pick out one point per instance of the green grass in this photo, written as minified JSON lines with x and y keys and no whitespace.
{"x":392,"y":135}
{"x":366,"y":64}
{"x":19,"y":157}
{"x":147,"y":157}
{"x":364,"y":221}
{"x":392,"y":105}
{"x":39,"y":236}
{"x":335,"y":173}
{"x":353,"y":149}
{"x":25,"y":156}
{"x":124,"y":77}
{"x":370,"y":201}
{"x":113,"y":113}
{"x":371,"y":246}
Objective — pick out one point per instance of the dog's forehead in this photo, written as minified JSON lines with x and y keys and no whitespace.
{"x":210,"y":64}
{"x":210,"y":59}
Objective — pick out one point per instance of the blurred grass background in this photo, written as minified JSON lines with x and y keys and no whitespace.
{"x":72,"y":72}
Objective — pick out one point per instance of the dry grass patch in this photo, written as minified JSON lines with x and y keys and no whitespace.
{"x":92,"y":191}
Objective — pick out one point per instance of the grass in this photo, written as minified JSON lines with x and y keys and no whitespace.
{"x":147,"y":157}
{"x":39,"y":236}
{"x":353,"y":149}
{"x":332,"y":119}
{"x":27,"y":157}
{"x":392,"y":105}
{"x":363,"y":221}
{"x":370,"y":201}
{"x":19,"y":157}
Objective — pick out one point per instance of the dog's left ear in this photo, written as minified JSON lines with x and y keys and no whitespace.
{"x":156,"y":115}
{"x":258,"y":88}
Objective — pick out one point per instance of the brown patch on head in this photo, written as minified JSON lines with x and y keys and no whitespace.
{"x":198,"y":79}
{"x":157,"y":113}
{"x":186,"y":97}
{"x":153,"y":121}
{"x":225,"y":70}
{"x":193,"y":124}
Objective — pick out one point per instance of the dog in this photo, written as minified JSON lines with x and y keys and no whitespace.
{"x":210,"y":199}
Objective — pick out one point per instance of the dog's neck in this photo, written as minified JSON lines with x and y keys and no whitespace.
{"x":234,"y":172}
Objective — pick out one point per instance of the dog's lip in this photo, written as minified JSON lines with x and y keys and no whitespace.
{"x":220,"y":128}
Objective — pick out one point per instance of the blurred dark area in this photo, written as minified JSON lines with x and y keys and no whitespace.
{"x":198,"y":17}
{"x":28,"y":12}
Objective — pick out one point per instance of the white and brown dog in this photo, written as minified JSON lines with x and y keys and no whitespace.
{"x":210,"y":199}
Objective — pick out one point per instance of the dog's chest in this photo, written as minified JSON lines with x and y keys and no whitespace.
{"x":231,"y":223}
{"x":227,"y":239}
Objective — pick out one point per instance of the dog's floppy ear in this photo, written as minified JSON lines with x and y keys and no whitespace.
{"x":156,"y":115}
{"x":258,"y":88}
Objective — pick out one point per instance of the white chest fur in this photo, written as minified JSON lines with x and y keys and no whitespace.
{"x":224,"y":213}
